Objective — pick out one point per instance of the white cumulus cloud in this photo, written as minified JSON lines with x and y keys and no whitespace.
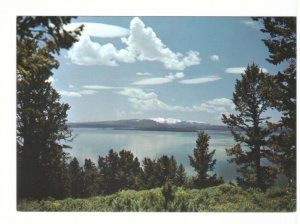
{"x":217,"y":105}
{"x":142,"y":44}
{"x":214,"y":58}
{"x":87,"y":52}
{"x":145,"y":44}
{"x":142,"y":100}
{"x":201,"y":80}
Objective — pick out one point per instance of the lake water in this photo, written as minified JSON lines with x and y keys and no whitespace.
{"x":94,"y":142}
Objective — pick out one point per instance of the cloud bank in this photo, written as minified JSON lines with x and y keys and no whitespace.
{"x":160,"y":80}
{"x":142,"y":44}
{"x":143,"y":100}
{"x":240,"y":70}
{"x":201,"y":80}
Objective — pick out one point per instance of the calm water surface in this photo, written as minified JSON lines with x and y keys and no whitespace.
{"x":92,"y":142}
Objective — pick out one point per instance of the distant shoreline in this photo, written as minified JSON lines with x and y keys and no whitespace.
{"x":222,"y":128}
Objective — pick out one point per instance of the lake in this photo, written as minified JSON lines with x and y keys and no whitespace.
{"x":94,"y":142}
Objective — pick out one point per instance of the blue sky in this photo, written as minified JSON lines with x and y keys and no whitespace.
{"x":146,"y":67}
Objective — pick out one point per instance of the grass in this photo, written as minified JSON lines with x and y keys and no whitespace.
{"x":223,"y":198}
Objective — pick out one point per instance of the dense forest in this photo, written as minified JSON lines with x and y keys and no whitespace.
{"x":45,"y":170}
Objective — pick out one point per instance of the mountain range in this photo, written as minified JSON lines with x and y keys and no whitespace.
{"x":151,"y":124}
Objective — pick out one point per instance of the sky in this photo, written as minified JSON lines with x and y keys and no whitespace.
{"x":147,"y":67}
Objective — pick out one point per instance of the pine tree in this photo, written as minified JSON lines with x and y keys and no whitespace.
{"x":180,"y":179}
{"x":149,"y":174}
{"x":76,"y":179}
{"x":129,"y":170}
{"x":165,"y":170}
{"x":41,"y":118}
{"x":90,"y":175}
{"x":281,"y":90}
{"x":250,"y":131}
{"x":109,"y":167}
{"x":203,"y":162}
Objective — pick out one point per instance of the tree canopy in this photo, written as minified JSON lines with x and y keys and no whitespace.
{"x":280,"y":92}
{"x":41,"y":118}
{"x":203,"y":162}
{"x":250,"y":131}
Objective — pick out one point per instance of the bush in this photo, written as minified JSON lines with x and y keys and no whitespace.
{"x":222,"y":198}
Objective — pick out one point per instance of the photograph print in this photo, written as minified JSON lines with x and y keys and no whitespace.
{"x":156,"y":114}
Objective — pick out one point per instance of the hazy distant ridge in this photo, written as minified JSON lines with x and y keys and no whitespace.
{"x":153,"y":124}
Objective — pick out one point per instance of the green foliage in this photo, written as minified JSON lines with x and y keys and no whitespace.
{"x":180,"y":178}
{"x":282,"y":41}
{"x":157,"y":172}
{"x":168,"y":193}
{"x":203,"y":162}
{"x":119,"y":171}
{"x":130,"y":170}
{"x":41,"y":118}
{"x":222,"y":198}
{"x":149,"y":175}
{"x":166,"y":169}
{"x":76,"y":179}
{"x":249,"y":131}
{"x":48,"y":31}
{"x":90,"y":177}
{"x":281,"y":91}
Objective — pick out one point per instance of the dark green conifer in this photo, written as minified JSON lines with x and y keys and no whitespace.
{"x":202,"y":161}
{"x":281,"y":90}
{"x":249,"y":128}
{"x":42,"y":128}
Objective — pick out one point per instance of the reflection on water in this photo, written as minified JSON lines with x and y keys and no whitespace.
{"x":92,"y":142}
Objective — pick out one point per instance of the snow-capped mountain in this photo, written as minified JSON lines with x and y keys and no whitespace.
{"x":165,"y":120}
{"x":151,"y":124}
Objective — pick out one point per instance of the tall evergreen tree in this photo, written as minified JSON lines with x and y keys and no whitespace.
{"x":166,"y":169}
{"x":129,"y":170}
{"x":90,"y":175}
{"x":203,"y":162}
{"x":281,"y":90}
{"x":109,"y":167}
{"x":41,"y":118}
{"x":250,"y":131}
{"x":76,"y":179}
{"x":149,"y":174}
{"x":180,"y":179}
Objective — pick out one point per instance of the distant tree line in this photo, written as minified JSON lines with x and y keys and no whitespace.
{"x":122,"y":171}
{"x":263,"y":148}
